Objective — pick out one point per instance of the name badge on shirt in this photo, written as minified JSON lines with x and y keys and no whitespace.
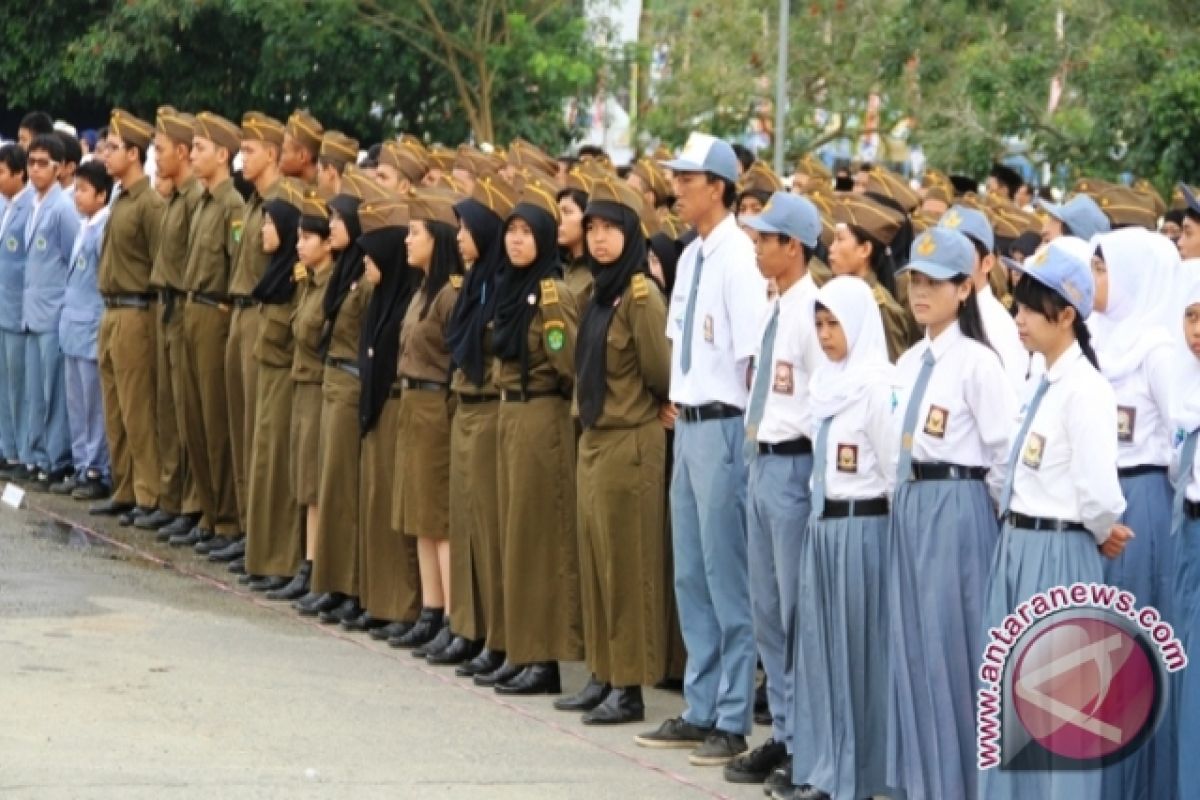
{"x":1126,"y":423}
{"x":11,"y":244}
{"x":935,"y":422}
{"x":80,"y":263}
{"x":783,"y":382}
{"x":1035,"y":447}
{"x":847,"y":457}
{"x":708,"y":329}
{"x":39,"y":243}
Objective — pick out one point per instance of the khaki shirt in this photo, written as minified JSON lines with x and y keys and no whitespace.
{"x":171,"y":260}
{"x":551,"y":342}
{"x":423,"y":351}
{"x":250,"y":261}
{"x":131,"y":240}
{"x":343,"y":342}
{"x":213,"y":240}
{"x":307,"y":323}
{"x":463,"y":385}
{"x":275,"y":344}
{"x":638,"y":358}
{"x":579,"y":280}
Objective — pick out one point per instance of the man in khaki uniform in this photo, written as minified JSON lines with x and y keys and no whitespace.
{"x":126,"y":341}
{"x":212,"y":244}
{"x":337,"y":150}
{"x":262,"y":141}
{"x":172,"y":157}
{"x":402,"y":166}
{"x":301,"y":146}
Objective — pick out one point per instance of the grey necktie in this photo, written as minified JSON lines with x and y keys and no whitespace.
{"x":910,"y":416}
{"x":689,"y":316}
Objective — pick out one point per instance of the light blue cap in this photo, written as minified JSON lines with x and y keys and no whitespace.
{"x":1061,"y":267}
{"x":970,"y":222}
{"x":704,"y":153}
{"x":789,"y":214}
{"x":1081,"y":215}
{"x":1189,"y":197}
{"x":942,"y":254}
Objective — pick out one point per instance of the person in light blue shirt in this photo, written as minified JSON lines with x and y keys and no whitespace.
{"x":14,"y":439}
{"x":49,"y":237}
{"x":78,"y":333}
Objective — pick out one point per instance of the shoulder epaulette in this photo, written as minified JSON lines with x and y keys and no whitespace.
{"x":549,"y":292}
{"x":641,"y":290}
{"x":456,"y":281}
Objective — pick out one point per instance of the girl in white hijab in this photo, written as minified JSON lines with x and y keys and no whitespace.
{"x":841,"y":667}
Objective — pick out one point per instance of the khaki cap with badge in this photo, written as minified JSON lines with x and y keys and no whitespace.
{"x":338,"y":150}
{"x":180,"y":127}
{"x":219,"y":131}
{"x":306,"y":130}
{"x":131,"y":129}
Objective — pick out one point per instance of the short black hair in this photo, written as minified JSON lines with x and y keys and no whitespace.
{"x":72,"y":151}
{"x":744,"y":155}
{"x":37,"y":122}
{"x":729,"y":195}
{"x":49,"y":144}
{"x":1008,"y":177}
{"x":95,"y":175}
{"x":369,"y":163}
{"x":592,"y":151}
{"x":12,"y":155}
{"x":373,"y":152}
{"x":1190,"y":213}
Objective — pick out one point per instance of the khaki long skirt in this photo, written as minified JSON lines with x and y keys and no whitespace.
{"x":306,"y":442}
{"x":272,"y":515}
{"x":335,"y":567}
{"x":536,"y":471}
{"x":422,"y":466}
{"x":477,"y":607}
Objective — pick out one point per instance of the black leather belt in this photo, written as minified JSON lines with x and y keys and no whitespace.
{"x":137,"y":301}
{"x":872,"y":507}
{"x":792,"y":447}
{"x":207,"y":300}
{"x":169,"y":295}
{"x":242,"y":301}
{"x":1191,"y":509}
{"x":709,"y":411}
{"x":477,"y":399}
{"x":939,"y":471}
{"x":423,"y":386}
{"x":345,"y":365}
{"x":1141,"y":469}
{"x":1028,"y":523}
{"x":395,"y":391}
{"x":518,"y":396}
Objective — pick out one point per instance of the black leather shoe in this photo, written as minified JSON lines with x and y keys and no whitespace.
{"x":619,"y":706}
{"x":246,"y":579}
{"x":393,"y":630}
{"x":780,"y":778}
{"x":65,"y":486}
{"x":220,"y":555}
{"x":308,"y":599}
{"x":365,"y":622}
{"x":133,"y":515}
{"x":152,"y":522}
{"x":535,"y":679}
{"x":805,"y":792}
{"x":459,"y":650}
{"x":587,"y":698}
{"x":322,"y":602}
{"x":41,"y":483}
{"x":296,"y":588}
{"x":21,"y":473}
{"x":218,"y":542}
{"x":238,"y":566}
{"x":758,"y":764}
{"x":438,"y":643}
{"x":7,"y":468}
{"x":109,"y":508}
{"x":482,"y":664}
{"x":426,"y":628}
{"x":501,"y":674}
{"x":180,"y":526}
{"x":191,"y":538}
{"x":269,"y":583}
{"x":91,"y":489}
{"x":349,"y":609}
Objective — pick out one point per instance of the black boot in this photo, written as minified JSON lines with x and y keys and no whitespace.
{"x":232,"y":550}
{"x":586,"y":698}
{"x":438,"y":643}
{"x":458,"y":651}
{"x":505,"y":672}
{"x":621,"y":705}
{"x":487,"y":661}
{"x":541,"y":678}
{"x":429,"y":624}
{"x":297,"y":588}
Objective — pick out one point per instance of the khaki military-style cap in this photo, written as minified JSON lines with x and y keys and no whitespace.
{"x":496,"y":194}
{"x":314,"y":206}
{"x":655,"y":179}
{"x":522,"y":153}
{"x":540,"y":192}
{"x":405,"y":159}
{"x":388,"y":212}
{"x":175,"y":124}
{"x":338,"y":150}
{"x":1090,"y":186}
{"x":888,"y":184}
{"x":879,"y":221}
{"x":434,"y":205}
{"x":1146,"y":188}
{"x":759,"y":179}
{"x":361,"y":186}
{"x":131,"y":129}
{"x":474,"y":161}
{"x":219,"y":131}
{"x":441,"y":158}
{"x":611,"y":189}
{"x":292,"y":192}
{"x":1125,"y":207}
{"x":810,"y":166}
{"x":583,"y":176}
{"x":257,"y":126}
{"x":305,"y":129}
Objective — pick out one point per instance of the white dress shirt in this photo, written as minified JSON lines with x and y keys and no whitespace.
{"x":727,"y":326}
{"x":861,"y":452}
{"x":1066,"y":467}
{"x":786,"y":414}
{"x":1001,"y":331}
{"x":969,"y":408}
{"x":1143,"y":427}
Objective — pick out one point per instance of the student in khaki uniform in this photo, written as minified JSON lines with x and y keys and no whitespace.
{"x":315,"y":249}
{"x":865,"y":231}
{"x":402,"y":166}
{"x":572,"y":200}
{"x":476,"y":555}
{"x":648,"y":179}
{"x":126,"y":342}
{"x":534,"y":341}
{"x":262,"y":140}
{"x":389,"y":587}
{"x":623,"y":360}
{"x":337,"y":151}
{"x":179,"y":501}
{"x":272,"y":546}
{"x":422,"y":469}
{"x":212,"y":244}
{"x":755,"y":188}
{"x":301,"y":146}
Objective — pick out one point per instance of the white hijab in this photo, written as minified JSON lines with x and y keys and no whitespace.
{"x":1143,"y":277}
{"x":1185,"y":389}
{"x":837,"y":385}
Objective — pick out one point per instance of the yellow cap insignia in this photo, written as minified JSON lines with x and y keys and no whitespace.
{"x":926,"y":246}
{"x":952,"y":219}
{"x":1039,"y":258}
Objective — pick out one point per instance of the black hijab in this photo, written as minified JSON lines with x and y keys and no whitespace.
{"x":591,"y":344}
{"x":519,"y":290}
{"x":379,"y":339}
{"x":348,"y":269}
{"x":668,"y":251}
{"x":476,"y":303}
{"x":277,"y":285}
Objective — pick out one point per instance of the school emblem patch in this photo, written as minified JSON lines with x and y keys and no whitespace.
{"x":847,"y":457}
{"x":235,"y":230}
{"x":556,"y":336}
{"x":1035,"y":447}
{"x":1126,"y":423}
{"x":11,"y":244}
{"x":39,"y":243}
{"x":935,"y":422}
{"x":709,"y":334}
{"x":783,"y":383}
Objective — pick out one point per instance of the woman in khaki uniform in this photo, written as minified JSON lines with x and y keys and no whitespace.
{"x":534,"y":340}
{"x":572,"y":200}
{"x":389,"y":588}
{"x":623,"y":363}
{"x":316,"y":256}
{"x":476,"y":555}
{"x":422,"y":469}
{"x":272,"y":520}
